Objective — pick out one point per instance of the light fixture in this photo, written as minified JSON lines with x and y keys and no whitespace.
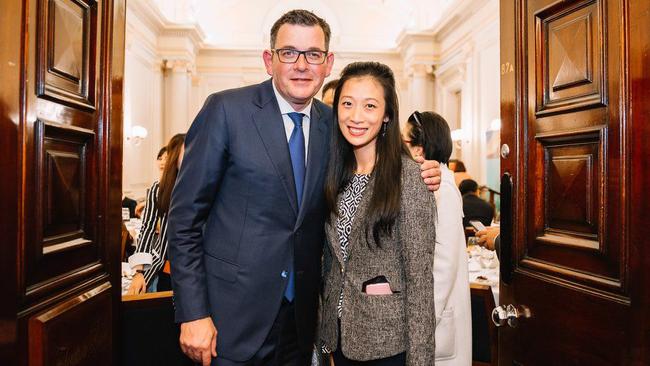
{"x":495,"y":124}
{"x":137,"y":134}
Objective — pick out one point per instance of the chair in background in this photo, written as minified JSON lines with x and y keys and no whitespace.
{"x":126,"y":239}
{"x":484,"y":332}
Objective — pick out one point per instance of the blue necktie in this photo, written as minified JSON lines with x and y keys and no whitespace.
{"x":297,"y":152}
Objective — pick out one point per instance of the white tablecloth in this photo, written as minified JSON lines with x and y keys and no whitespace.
{"x":484,"y":271}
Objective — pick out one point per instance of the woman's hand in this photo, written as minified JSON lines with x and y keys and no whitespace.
{"x":138,"y":285}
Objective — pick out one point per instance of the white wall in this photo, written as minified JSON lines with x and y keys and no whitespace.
{"x":142,"y":106}
{"x":468,"y":63}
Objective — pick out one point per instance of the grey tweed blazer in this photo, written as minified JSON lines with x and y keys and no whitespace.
{"x":378,"y":326}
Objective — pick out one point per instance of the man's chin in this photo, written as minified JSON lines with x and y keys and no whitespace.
{"x":302,"y":97}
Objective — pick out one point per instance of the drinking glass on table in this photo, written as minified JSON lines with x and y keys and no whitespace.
{"x":472,"y":246}
{"x":487,"y":258}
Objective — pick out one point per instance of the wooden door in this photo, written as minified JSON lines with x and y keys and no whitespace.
{"x":61,"y":67}
{"x":575,"y":245}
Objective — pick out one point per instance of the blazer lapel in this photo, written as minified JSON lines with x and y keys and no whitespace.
{"x":315,"y":158}
{"x":269,"y":124}
{"x":333,"y":239}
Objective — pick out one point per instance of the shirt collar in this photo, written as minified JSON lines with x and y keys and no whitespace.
{"x":286,"y":108}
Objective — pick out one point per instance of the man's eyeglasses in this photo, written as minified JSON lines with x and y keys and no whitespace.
{"x":290,"y":56}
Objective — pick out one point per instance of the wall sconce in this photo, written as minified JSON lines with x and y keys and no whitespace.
{"x":495,"y":124}
{"x":458,"y":136}
{"x":138,"y":133}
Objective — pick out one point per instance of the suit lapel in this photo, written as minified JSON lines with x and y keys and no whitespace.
{"x":315,"y":158}
{"x":269,"y":124}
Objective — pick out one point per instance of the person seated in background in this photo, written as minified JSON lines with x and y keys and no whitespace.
{"x":427,"y":134}
{"x":452,"y":165}
{"x":131,"y":204}
{"x":328,"y":92}
{"x":460,"y":172}
{"x":474,"y":207}
{"x":150,"y":257}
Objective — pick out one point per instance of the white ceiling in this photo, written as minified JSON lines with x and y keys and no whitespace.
{"x":357,"y":25}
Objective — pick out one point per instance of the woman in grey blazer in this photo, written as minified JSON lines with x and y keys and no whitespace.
{"x":378,"y":303}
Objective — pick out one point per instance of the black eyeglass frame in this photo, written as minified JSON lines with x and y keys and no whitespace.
{"x":300,"y":53}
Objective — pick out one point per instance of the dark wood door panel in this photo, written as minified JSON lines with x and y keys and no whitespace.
{"x":571,"y":134}
{"x":64,"y":239}
{"x":574,"y":115}
{"x":55,"y":335}
{"x":64,"y":243}
{"x":61,"y":72}
{"x":569,"y":44}
{"x":67,"y":51}
{"x":569,"y":327}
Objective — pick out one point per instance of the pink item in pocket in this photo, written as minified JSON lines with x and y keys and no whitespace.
{"x":378,"y":289}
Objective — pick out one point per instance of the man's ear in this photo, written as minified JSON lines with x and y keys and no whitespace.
{"x":267,"y":56}
{"x":330,"y":62}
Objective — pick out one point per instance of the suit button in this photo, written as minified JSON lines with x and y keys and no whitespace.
{"x":284,"y":274}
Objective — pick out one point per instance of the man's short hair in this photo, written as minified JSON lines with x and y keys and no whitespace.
{"x":332,"y":84}
{"x":467,"y":186}
{"x":301,"y":17}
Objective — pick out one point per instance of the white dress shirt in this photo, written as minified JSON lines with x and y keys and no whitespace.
{"x":285,"y":109}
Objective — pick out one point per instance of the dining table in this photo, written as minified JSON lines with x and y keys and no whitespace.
{"x":483,"y":268}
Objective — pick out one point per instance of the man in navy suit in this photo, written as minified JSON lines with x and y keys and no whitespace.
{"x":245,"y":226}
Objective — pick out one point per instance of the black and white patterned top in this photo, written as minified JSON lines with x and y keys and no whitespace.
{"x":348,"y":203}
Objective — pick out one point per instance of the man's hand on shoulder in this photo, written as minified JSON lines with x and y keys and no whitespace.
{"x":199,"y":340}
{"x":430,"y":173}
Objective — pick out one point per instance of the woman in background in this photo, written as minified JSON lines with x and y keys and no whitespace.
{"x":150,"y":257}
{"x":427,"y":134}
{"x":378,"y":306}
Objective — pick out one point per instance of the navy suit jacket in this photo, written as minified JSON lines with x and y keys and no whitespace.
{"x":235,"y":225}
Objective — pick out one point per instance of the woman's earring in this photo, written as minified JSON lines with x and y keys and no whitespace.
{"x":383,"y":129}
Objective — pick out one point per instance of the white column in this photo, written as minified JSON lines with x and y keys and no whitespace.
{"x":421,"y":88}
{"x":177,"y":97}
{"x":417,"y":52}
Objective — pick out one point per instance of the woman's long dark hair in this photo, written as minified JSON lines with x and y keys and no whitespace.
{"x":431,"y":132}
{"x":170,"y":172}
{"x":386,"y":199}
